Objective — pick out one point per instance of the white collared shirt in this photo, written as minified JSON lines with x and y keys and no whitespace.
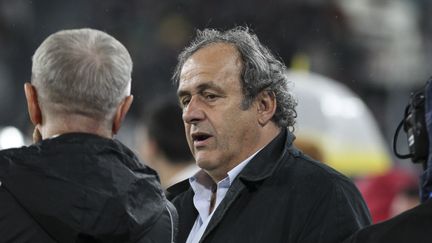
{"x":201,"y":183}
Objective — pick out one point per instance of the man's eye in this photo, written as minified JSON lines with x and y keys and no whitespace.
{"x":184,"y":102}
{"x":210,"y":96}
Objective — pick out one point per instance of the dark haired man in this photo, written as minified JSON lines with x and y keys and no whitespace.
{"x":254,"y":186}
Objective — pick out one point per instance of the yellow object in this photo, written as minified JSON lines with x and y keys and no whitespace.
{"x":300,"y":62}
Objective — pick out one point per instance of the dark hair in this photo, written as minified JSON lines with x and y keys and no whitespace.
{"x":261,"y":70}
{"x":163,"y":119}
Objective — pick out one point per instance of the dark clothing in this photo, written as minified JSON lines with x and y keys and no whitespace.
{"x":281,"y":196}
{"x":176,"y":189}
{"x":426,"y":177}
{"x":80,"y":188}
{"x":411,"y":226}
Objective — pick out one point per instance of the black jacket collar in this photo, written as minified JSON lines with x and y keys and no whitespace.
{"x":265,"y":162}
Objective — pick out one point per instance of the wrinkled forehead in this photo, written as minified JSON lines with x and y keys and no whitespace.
{"x":213,"y":59}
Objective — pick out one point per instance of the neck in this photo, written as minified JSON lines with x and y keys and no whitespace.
{"x":74,"y":123}
{"x":269,"y":132}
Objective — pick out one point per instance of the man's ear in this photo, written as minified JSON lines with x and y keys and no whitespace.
{"x":33,"y":104}
{"x":120,"y":114}
{"x":266,"y":104}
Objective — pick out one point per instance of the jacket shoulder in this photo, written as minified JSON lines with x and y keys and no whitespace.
{"x":336,"y":201}
{"x":302,"y":168}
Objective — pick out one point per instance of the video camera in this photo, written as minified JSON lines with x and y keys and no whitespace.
{"x":414,"y":125}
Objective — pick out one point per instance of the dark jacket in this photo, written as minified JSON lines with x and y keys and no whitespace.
{"x":281,"y":196}
{"x":413,"y":225}
{"x":80,"y":188}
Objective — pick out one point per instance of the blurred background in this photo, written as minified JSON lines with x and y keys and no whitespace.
{"x":354,"y":62}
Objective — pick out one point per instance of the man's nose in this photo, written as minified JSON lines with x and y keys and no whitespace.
{"x":193,"y":112}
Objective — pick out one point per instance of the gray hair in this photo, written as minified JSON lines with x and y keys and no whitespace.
{"x":82,"y":71}
{"x":261,"y":70}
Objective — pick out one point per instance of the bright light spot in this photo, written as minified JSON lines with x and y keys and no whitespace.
{"x":11,"y":137}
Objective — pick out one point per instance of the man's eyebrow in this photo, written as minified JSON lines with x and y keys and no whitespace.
{"x":209,"y":85}
{"x":201,"y":88}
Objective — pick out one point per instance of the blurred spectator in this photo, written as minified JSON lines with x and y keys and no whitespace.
{"x":162,"y":142}
{"x":390,"y":194}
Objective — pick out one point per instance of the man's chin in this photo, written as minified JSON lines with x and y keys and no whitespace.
{"x":205,"y":163}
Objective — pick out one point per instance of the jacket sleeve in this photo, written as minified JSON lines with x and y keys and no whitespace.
{"x":339,"y":212}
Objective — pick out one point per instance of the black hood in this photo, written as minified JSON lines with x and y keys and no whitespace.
{"x":82,"y":184}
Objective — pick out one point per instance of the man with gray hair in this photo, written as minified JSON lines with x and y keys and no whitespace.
{"x":254,"y":186}
{"x":76,"y":183}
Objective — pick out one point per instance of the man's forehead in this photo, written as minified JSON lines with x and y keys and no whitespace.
{"x":211,"y":58}
{"x":213,"y":53}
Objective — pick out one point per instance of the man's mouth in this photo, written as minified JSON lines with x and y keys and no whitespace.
{"x":199,"y":138}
